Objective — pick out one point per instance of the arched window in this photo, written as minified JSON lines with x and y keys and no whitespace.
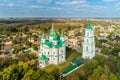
{"x":87,"y":48}
{"x":87,"y":40}
{"x":62,"y":51}
{"x":87,"y":33}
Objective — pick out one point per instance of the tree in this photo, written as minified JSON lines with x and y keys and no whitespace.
{"x":115,"y":50}
{"x":105,"y":50}
{"x":118,"y":66}
{"x":29,"y":75}
{"x":112,"y":77}
{"x":75,"y":78}
{"x":103,"y":77}
{"x":97,"y":73}
{"x":1,"y":74}
{"x":100,"y":58}
{"x":89,"y":66}
{"x":10,"y":73}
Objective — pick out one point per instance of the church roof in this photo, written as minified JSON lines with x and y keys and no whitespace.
{"x":43,"y":36}
{"x":51,"y":44}
{"x":43,"y":57}
{"x":55,"y":38}
{"x":89,"y":27}
{"x":48,"y":43}
{"x":62,"y":34}
{"x":61,"y":43}
{"x":52,"y":32}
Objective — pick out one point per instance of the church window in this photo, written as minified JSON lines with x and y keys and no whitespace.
{"x":62,"y":51}
{"x":87,"y":48}
{"x":87,"y":40}
{"x":87,"y":33}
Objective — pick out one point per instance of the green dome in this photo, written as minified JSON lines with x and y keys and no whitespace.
{"x":55,"y":38}
{"x":52,"y":33}
{"x":89,"y":27}
{"x":43,"y":36}
{"x":43,"y":57}
{"x":62,"y":35}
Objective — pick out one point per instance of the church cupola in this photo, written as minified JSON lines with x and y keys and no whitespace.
{"x":55,"y":40}
{"x":52,"y":33}
{"x":62,"y":37}
{"x":89,"y":27}
{"x":43,"y":61}
{"x":43,"y":38}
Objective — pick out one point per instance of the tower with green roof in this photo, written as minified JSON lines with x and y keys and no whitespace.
{"x":52,"y":50}
{"x":88,"y":44}
{"x":62,"y":36}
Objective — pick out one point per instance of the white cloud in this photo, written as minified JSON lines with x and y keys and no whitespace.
{"x":56,"y":8}
{"x":108,"y":0}
{"x":75,"y":2}
{"x":20,"y":6}
{"x":34,"y":6}
{"x":44,"y":1}
{"x":98,"y":7}
{"x":95,"y":7}
{"x":9,"y":5}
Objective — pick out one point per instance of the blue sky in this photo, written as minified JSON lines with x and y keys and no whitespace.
{"x":59,"y":8}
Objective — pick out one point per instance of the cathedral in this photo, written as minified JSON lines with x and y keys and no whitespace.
{"x":88,"y":44}
{"x":52,"y":50}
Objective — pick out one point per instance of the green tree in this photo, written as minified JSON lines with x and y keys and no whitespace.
{"x":105,"y":50}
{"x":112,"y":77}
{"x":29,"y":75}
{"x":97,"y":73}
{"x":103,"y":77}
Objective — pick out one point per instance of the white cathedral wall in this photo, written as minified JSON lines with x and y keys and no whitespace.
{"x":55,"y":55}
{"x":88,"y":45}
{"x":43,"y":40}
{"x":49,"y":53}
{"x":62,"y":54}
{"x":51,"y":39}
{"x":89,"y":33}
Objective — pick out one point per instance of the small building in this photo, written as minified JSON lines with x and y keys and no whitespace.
{"x":8,"y":47}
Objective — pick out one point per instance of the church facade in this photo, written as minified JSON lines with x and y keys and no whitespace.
{"x":52,"y":50}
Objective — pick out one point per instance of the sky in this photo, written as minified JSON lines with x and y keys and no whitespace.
{"x":59,"y":8}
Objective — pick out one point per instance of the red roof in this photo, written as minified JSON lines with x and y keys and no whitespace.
{"x":8,"y":47}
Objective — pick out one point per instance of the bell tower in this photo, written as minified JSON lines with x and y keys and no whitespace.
{"x":88,"y":44}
